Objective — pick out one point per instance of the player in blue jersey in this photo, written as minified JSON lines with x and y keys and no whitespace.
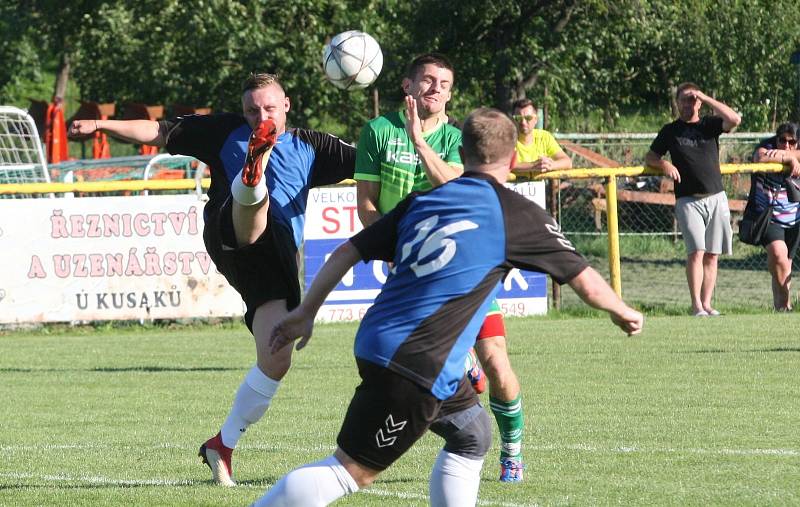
{"x":254,"y":221}
{"x":417,"y":149}
{"x":450,"y":247}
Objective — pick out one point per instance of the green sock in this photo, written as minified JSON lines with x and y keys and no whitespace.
{"x":510,"y":421}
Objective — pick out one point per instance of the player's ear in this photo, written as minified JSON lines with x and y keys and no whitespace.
{"x":513,"y":162}
{"x":406,"y":85}
{"x":287,"y":104}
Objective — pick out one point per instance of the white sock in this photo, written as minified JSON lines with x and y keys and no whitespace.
{"x":311,"y":485}
{"x":250,"y":403}
{"x":455,"y":480}
{"x":248,"y":196}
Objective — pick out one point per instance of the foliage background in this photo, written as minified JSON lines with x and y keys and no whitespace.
{"x":594,"y":65}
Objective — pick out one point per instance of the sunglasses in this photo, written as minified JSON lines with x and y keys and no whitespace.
{"x":785,"y":140}
{"x":526,"y":117}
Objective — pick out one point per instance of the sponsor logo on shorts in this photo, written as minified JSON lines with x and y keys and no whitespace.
{"x":383,"y":438}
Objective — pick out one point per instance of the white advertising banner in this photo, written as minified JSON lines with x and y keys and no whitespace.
{"x":106,"y":258}
{"x":332,"y":217}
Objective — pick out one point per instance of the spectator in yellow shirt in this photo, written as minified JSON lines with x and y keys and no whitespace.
{"x":537,"y":149}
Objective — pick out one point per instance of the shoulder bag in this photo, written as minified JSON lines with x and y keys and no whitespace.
{"x":752,"y":227}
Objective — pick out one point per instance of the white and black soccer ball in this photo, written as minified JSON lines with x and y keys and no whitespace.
{"x":352,"y":59}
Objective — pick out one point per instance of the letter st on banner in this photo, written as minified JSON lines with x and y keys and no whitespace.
{"x":107,"y":258}
{"x":332,"y":217}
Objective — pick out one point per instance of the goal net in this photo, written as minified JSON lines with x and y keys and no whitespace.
{"x":22,"y":158}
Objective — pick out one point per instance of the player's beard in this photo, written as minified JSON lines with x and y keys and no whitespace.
{"x":425,"y":110}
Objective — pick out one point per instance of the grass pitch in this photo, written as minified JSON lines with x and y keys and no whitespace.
{"x":693,"y":412}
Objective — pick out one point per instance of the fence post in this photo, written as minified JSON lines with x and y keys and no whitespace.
{"x":613,"y":235}
{"x":555,"y":185}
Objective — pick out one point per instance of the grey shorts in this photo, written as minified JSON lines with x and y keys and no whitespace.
{"x":705,"y":223}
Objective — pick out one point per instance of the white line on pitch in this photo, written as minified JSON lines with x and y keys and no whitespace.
{"x":162,"y":482}
{"x":666,"y":450}
{"x":424,"y":498}
{"x":330,"y":448}
{"x":97,"y":480}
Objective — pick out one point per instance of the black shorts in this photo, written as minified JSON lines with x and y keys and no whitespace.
{"x":790,"y":236}
{"x":263,"y":271}
{"x":388,"y":413}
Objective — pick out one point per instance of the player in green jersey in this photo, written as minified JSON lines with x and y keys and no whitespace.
{"x":417,"y":149}
{"x":405,"y":151}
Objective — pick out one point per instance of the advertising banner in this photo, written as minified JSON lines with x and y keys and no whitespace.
{"x":332,"y":217}
{"x":107,"y":258}
{"x":142,"y":258}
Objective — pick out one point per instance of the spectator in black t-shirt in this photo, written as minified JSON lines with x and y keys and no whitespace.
{"x":701,"y":206}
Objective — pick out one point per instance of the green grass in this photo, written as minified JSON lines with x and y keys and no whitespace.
{"x":639,"y":247}
{"x":653,"y":273}
{"x":692,"y":412}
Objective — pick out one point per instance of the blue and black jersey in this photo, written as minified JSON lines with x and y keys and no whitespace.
{"x":451,"y":246}
{"x":301,"y":159}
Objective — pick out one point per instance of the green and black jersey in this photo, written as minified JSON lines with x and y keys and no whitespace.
{"x":386,"y":155}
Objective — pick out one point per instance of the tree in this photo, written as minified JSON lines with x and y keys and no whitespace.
{"x":36,"y":36}
{"x":508,"y":49}
{"x":20,"y":56}
{"x":197,"y":52}
{"x":588,"y":61}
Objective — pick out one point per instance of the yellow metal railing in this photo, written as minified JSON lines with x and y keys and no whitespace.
{"x":610,"y":175}
{"x":110,"y":186}
{"x":101,"y":186}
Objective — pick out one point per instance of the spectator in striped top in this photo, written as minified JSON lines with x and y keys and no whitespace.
{"x":779,"y":190}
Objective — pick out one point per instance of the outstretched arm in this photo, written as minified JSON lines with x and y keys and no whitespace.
{"x":134,"y":131}
{"x":594,"y":291}
{"x":300,"y":321}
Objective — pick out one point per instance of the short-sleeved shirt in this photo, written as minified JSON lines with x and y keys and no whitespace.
{"x":301,"y":159}
{"x":451,"y":246}
{"x":386,"y":155}
{"x":770,"y":188}
{"x":694,"y":149}
{"x":543,"y":145}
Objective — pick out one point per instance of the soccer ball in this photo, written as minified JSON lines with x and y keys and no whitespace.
{"x":352,"y":59}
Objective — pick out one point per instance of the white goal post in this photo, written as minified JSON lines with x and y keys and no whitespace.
{"x":22,"y":158}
